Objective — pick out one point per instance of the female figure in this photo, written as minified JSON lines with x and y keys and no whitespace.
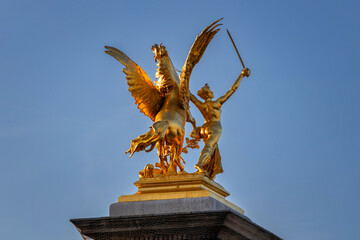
{"x":210,"y":161}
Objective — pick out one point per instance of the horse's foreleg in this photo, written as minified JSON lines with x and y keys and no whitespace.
{"x":173,"y":163}
{"x":177,"y":150}
{"x":178,"y":154}
{"x":163,"y":165}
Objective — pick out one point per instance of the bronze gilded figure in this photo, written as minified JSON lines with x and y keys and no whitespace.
{"x":210,"y":160}
{"x":166,"y":102}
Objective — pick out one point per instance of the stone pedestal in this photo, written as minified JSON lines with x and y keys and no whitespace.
{"x":185,"y":206}
{"x":181,"y":186}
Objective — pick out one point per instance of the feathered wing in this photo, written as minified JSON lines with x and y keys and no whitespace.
{"x":166,"y":74}
{"x":196,"y":52}
{"x":146,"y":95}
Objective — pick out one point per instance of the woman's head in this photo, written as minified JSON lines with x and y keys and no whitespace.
{"x":205,"y":92}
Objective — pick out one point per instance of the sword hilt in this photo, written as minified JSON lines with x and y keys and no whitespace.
{"x":246,"y":72}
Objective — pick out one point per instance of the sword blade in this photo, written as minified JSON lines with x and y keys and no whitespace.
{"x":235,"y":48}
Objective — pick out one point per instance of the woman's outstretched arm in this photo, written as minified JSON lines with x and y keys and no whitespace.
{"x":245,"y":72}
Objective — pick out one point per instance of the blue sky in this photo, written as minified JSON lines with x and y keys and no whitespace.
{"x":290,"y":143}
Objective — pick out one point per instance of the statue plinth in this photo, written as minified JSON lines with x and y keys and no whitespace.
{"x":180,"y":186}
{"x":183,"y":206}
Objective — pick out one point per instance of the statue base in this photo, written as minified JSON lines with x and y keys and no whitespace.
{"x":180,"y":186}
{"x":183,"y":206}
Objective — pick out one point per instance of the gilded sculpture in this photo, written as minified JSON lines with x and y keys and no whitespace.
{"x":167,"y":104}
{"x":210,"y":160}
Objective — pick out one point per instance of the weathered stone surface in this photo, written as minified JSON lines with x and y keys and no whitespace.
{"x":188,"y":218}
{"x":182,"y":218}
{"x":204,"y":225}
{"x":182,"y":205}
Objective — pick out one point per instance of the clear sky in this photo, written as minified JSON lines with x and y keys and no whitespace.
{"x":290,"y":143}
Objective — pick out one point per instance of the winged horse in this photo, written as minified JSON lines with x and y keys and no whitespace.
{"x":167,"y":102}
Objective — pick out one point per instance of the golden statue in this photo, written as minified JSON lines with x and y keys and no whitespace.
{"x":210,"y":160}
{"x":166,"y":103}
